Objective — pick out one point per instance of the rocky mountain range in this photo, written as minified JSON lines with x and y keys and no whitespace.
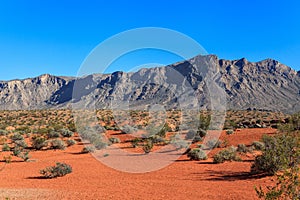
{"x":265,"y":85}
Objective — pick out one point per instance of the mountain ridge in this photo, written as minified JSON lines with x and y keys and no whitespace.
{"x":266,"y":84}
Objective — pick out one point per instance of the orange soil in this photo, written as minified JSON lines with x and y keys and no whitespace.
{"x":91,"y":179}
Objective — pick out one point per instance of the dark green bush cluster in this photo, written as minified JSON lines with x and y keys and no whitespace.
{"x":242,"y":148}
{"x":57,"y":144}
{"x":277,"y":154}
{"x":39,"y":142}
{"x":195,"y":136}
{"x":88,"y":149}
{"x":229,"y":154}
{"x":59,"y":170}
{"x":114,"y":140}
{"x":66,"y":133}
{"x":197,"y":154}
{"x":260,"y":146}
{"x":213,"y":143}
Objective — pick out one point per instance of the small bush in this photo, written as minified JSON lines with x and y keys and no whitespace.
{"x":213,"y":143}
{"x":128,"y":129}
{"x":148,"y":146}
{"x":88,"y":149}
{"x":260,"y":146}
{"x":70,"y":142}
{"x":114,"y":140}
{"x":53,"y":134}
{"x":66,"y":133}
{"x":277,"y":154}
{"x":135,"y":142}
{"x":228,"y":154}
{"x":21,"y":143}
{"x":5,"y":147}
{"x":3,"y":132}
{"x":24,"y":156}
{"x":59,"y":170}
{"x":39,"y":142}
{"x":190,"y":134}
{"x":197,"y":154}
{"x":242,"y":148}
{"x":58,"y":144}
{"x":229,"y":132}
{"x":16,"y":136}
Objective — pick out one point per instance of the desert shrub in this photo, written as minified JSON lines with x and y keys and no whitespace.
{"x":228,"y":154}
{"x":16,"y":136}
{"x":17,"y":151}
{"x":88,"y":149}
{"x":66,"y":133}
{"x":59,"y":170}
{"x":24,"y":155}
{"x":287,"y":181}
{"x":277,"y":154}
{"x":179,"y":143}
{"x":258,"y":145}
{"x":204,"y":121}
{"x":114,"y":140}
{"x":3,"y":132}
{"x":197,"y":154}
{"x":21,"y":143}
{"x":156,"y":139}
{"x":190,"y":134}
{"x":213,"y":143}
{"x":135,"y":142}
{"x":229,"y":132}
{"x":39,"y":142}
{"x":98,"y":129}
{"x":57,"y":144}
{"x":201,"y":132}
{"x":70,"y":142}
{"x":242,"y":148}
{"x":5,"y":147}
{"x":195,"y":136}
{"x":127,"y":129}
{"x":99,"y":144}
{"x":148,"y":146}
{"x":53,"y":134}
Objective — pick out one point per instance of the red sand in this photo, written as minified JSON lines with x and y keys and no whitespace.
{"x":91,"y":179}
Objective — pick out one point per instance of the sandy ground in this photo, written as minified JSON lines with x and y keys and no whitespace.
{"x":91,"y":179}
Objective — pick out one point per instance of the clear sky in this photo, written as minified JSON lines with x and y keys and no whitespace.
{"x":46,"y":36}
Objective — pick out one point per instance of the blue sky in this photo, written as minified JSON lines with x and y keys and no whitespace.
{"x":38,"y":37}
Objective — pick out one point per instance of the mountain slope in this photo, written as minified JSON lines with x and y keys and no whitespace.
{"x":267,"y":85}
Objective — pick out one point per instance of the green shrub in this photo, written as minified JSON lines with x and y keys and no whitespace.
{"x":59,"y":170}
{"x":70,"y":142}
{"x":16,"y":136}
{"x":197,"y":154}
{"x":66,"y":133}
{"x":88,"y":149}
{"x":99,"y":144}
{"x":276,"y":155}
{"x":24,"y":155}
{"x":228,"y":154}
{"x":242,"y":148}
{"x":213,"y":143}
{"x":3,"y":132}
{"x":260,"y":146}
{"x":21,"y":143}
{"x":127,"y":129}
{"x":135,"y":142}
{"x":39,"y":142}
{"x":5,"y":147}
{"x":148,"y":146}
{"x":190,"y":134}
{"x":53,"y":134}
{"x":114,"y":140}
{"x":57,"y":144}
{"x":229,"y":132}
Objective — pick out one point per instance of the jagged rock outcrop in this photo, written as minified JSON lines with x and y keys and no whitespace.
{"x":267,"y":85}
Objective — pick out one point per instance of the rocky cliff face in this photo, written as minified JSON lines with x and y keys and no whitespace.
{"x":267,"y":85}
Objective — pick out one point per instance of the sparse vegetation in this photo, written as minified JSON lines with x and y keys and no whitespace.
{"x":59,"y":170}
{"x":229,"y":154}
{"x":197,"y":154}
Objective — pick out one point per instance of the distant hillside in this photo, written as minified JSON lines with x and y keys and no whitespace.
{"x":267,"y":85}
